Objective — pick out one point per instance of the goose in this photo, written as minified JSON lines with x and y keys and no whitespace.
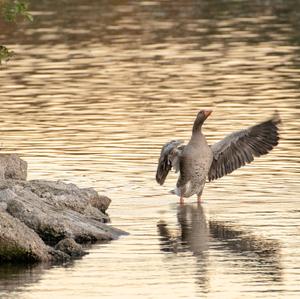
{"x":198,"y":162}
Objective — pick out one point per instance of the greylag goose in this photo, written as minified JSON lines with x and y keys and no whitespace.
{"x":197,"y":161}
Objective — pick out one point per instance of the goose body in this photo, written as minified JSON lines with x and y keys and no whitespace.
{"x":194,"y":163}
{"x":197,"y":161}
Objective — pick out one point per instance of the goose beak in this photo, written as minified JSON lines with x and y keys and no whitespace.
{"x":207,"y":113}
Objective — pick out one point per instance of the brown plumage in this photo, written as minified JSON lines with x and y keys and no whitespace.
{"x":197,"y":161}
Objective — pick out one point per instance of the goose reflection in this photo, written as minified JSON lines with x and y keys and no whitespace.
{"x":193,"y":231}
{"x":192,"y":235}
{"x":262,"y":255}
{"x":195,"y":234}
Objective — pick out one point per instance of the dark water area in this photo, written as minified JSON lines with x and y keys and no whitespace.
{"x":93,"y":92}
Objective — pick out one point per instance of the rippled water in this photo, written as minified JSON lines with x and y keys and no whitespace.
{"x":94,"y":91}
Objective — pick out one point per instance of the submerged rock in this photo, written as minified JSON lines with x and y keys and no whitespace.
{"x":44,"y":220}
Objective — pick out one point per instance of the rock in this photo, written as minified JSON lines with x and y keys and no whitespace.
{"x":70,"y":247}
{"x":3,"y":206}
{"x":100,"y":202}
{"x":19,"y":243}
{"x":12,"y":167}
{"x":68,"y":215}
{"x":45,"y":214}
{"x":70,"y":196}
{"x":58,"y":256}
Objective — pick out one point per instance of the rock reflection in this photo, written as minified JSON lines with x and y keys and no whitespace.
{"x":14,"y":277}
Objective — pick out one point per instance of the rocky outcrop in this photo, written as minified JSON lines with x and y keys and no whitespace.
{"x":45,"y":220}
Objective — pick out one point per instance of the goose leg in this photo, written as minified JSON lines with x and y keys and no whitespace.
{"x":199,"y":198}
{"x":181,"y":200}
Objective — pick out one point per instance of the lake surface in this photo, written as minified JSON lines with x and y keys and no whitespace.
{"x":93,"y":92}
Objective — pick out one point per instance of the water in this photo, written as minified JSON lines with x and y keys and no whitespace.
{"x":94,"y":91}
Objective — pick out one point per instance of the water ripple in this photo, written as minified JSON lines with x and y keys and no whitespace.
{"x":95,"y":90}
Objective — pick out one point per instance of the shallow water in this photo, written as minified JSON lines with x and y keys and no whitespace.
{"x":96,"y":89}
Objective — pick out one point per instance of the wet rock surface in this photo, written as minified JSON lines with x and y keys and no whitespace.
{"x":19,"y":243}
{"x":45,"y":220}
{"x":12,"y":167}
{"x":70,"y":247}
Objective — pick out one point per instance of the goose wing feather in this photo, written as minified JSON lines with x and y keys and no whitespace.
{"x":240,"y":148}
{"x":169,"y":158}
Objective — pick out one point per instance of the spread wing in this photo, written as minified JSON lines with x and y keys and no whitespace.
{"x":241,"y":147}
{"x":169,"y":157}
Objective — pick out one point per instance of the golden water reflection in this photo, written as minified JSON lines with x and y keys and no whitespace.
{"x":94,"y":91}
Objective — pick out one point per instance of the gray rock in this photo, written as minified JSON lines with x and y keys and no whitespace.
{"x":19,"y":243}
{"x":12,"y":167}
{"x":70,"y":247}
{"x":3,"y":206}
{"x":100,"y":202}
{"x":58,"y":256}
{"x":85,"y":200}
{"x":68,"y":215}
{"x":46,"y":213}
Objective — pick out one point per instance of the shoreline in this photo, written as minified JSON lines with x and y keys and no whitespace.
{"x":47,"y":221}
